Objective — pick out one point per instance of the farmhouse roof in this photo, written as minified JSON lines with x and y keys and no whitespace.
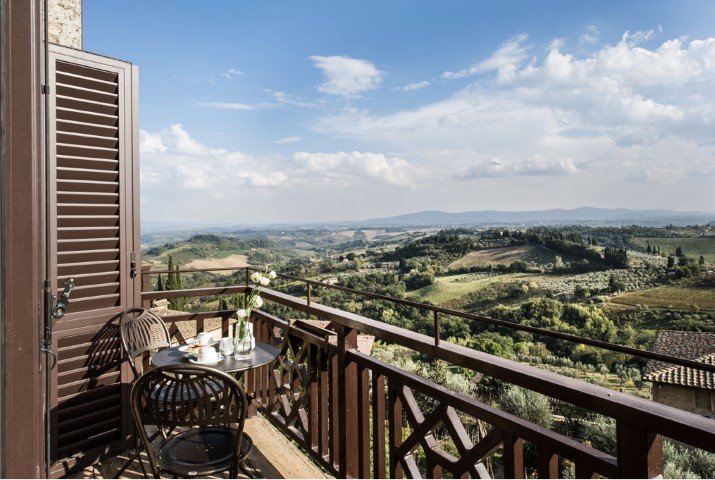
{"x":698,"y":346}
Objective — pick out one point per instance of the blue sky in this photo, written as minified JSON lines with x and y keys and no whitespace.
{"x":317,"y":111}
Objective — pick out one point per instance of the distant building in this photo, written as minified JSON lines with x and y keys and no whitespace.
{"x":684,"y":387}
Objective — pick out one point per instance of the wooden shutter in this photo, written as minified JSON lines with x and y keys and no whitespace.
{"x":94,"y":169}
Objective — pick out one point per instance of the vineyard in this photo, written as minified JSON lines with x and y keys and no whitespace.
{"x":674,"y":297}
{"x":692,"y":246}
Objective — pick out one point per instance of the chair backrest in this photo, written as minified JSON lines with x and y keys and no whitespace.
{"x":142,"y":331}
{"x":187,"y":396}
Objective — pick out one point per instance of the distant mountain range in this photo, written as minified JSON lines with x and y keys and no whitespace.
{"x":584,"y":216}
{"x":558,"y":216}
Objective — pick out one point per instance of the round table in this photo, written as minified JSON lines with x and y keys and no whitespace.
{"x":261,"y":355}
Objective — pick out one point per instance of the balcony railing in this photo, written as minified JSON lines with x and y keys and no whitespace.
{"x":358,"y":416}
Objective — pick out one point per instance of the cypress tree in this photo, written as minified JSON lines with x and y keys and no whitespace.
{"x":170,"y":281}
{"x":701,"y":260}
{"x":160,"y":284}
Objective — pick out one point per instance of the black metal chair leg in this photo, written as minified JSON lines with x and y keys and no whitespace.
{"x":137,"y":454}
{"x":141,"y":465}
{"x":250,"y":474}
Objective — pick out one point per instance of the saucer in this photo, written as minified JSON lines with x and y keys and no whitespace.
{"x":196,"y":361}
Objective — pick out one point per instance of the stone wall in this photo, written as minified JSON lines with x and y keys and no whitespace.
{"x":65,"y":22}
{"x":693,"y":400}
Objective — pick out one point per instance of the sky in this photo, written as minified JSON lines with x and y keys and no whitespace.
{"x":318,"y":111}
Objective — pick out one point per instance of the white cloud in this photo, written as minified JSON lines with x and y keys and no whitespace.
{"x":150,"y":142}
{"x":638,"y":37}
{"x":287,"y":140}
{"x":621,"y":111}
{"x":232,"y":73}
{"x":228,"y":106}
{"x":590,"y":36}
{"x":505,"y":59}
{"x":414,"y":86}
{"x":288,"y":99}
{"x":346,"y":76}
{"x":348,"y":165}
{"x":172,"y":159}
{"x":534,"y":165}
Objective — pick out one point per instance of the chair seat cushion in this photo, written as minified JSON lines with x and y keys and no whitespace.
{"x":202,"y":451}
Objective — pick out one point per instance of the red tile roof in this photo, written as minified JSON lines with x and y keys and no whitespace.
{"x":698,"y":346}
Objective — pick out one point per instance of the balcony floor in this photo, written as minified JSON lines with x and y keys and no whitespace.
{"x":274,"y":456}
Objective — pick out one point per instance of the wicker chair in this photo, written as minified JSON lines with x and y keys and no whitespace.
{"x":208,"y":405}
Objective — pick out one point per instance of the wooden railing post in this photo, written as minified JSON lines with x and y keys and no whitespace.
{"x":347,"y":404}
{"x":548,"y":463}
{"x":639,"y":452}
{"x":378,"y":425}
{"x":313,"y":395}
{"x":395,"y":428}
{"x":363,"y":413}
{"x":324,"y":405}
{"x":513,"y":457}
{"x":146,"y":284}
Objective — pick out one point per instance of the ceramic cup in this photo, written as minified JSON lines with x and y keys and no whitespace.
{"x":204,"y":339}
{"x":207,"y":355}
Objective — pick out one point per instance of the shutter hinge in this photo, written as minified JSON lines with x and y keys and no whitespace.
{"x":45,"y":89}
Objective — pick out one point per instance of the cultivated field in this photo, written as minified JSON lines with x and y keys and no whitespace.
{"x":230,"y":261}
{"x":692,"y":246}
{"x":505,"y":255}
{"x":676,"y":297}
{"x":452,"y":287}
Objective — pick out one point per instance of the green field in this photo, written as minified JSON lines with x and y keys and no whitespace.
{"x":505,"y":255}
{"x":186,"y":252}
{"x":692,"y":246}
{"x":452,"y":287}
{"x":679,"y":298}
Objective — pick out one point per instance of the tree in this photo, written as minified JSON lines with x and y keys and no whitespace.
{"x":558,"y":262}
{"x":701,"y":260}
{"x":160,"y":284}
{"x":615,"y":257}
{"x":648,"y":249}
{"x":174,"y":282}
{"x":170,"y":275}
{"x":581,"y":291}
{"x":671,"y":261}
{"x":679,"y":251}
{"x":528,"y":405}
{"x":222,"y":304}
{"x":615,"y":285}
{"x":418,"y":280}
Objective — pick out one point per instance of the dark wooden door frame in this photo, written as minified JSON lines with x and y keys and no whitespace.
{"x":21,"y":239}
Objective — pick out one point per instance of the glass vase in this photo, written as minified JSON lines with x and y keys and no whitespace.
{"x":243,"y":341}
